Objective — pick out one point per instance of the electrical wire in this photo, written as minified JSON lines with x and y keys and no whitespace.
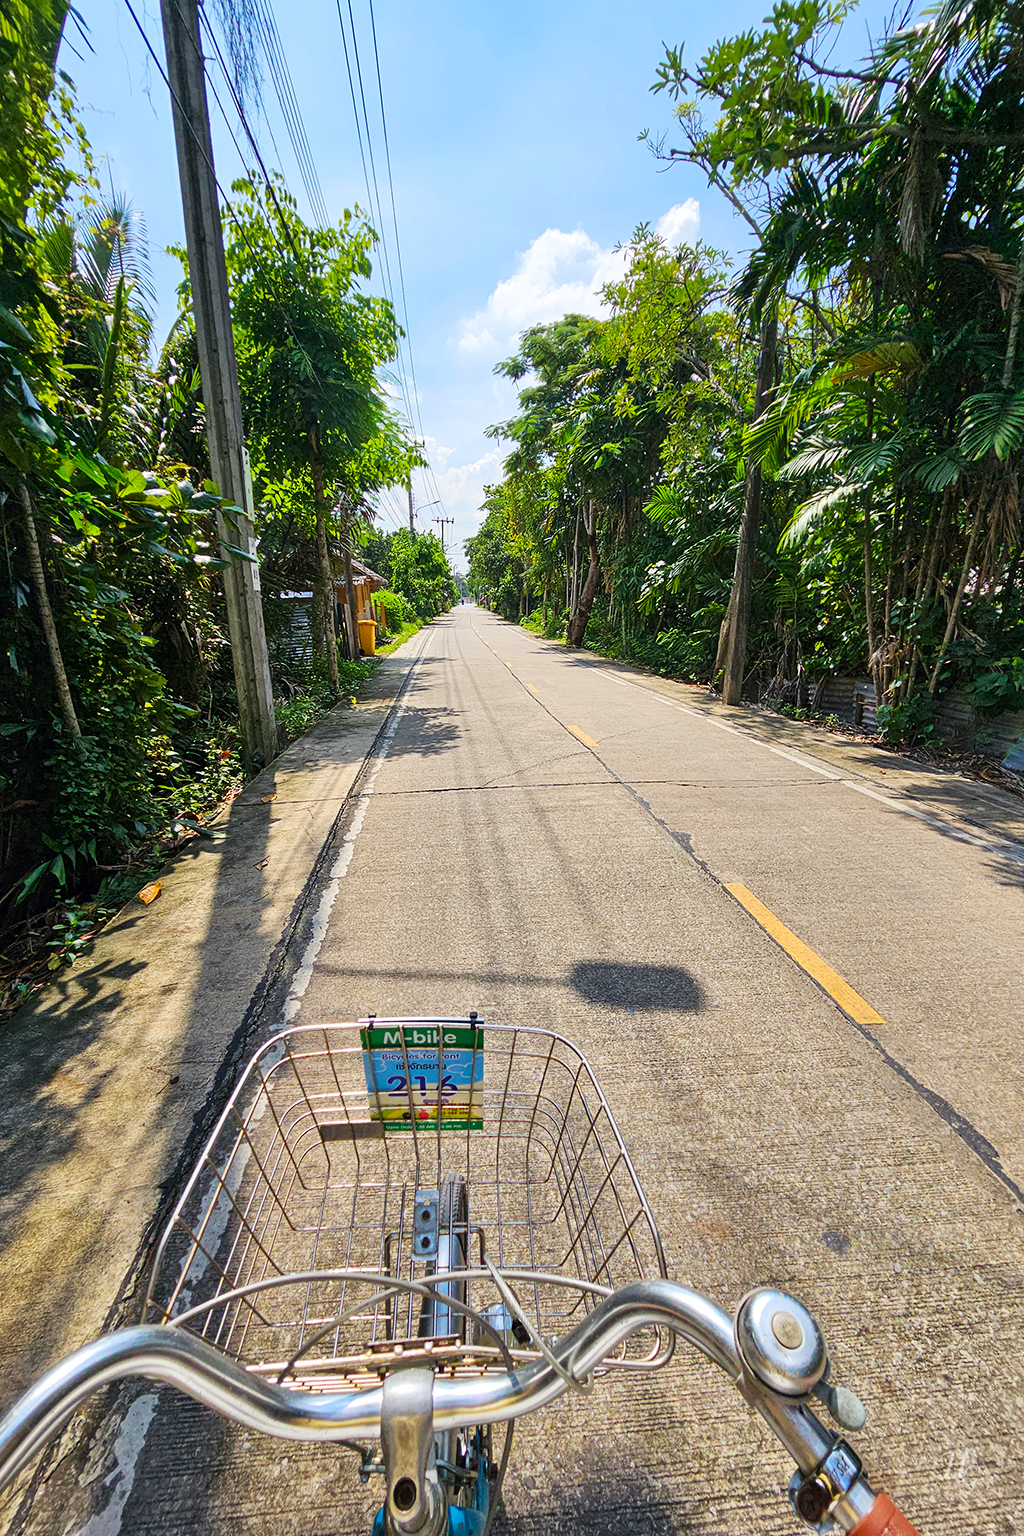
{"x":284,"y":90}
{"x":291,"y":112}
{"x":410,"y":389}
{"x":240,"y":109}
{"x":398,"y":246}
{"x":395,"y":516}
{"x":369,"y":171}
{"x":397,"y":520}
{"x":204,"y":153}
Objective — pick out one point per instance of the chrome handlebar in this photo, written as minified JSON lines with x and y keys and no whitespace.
{"x":165,"y":1354}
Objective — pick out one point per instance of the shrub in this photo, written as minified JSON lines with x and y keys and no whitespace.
{"x":397,"y":609}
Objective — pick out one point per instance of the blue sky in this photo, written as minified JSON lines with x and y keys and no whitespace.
{"x":516,"y":169}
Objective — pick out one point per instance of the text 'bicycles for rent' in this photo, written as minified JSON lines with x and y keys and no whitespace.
{"x":404,"y":1234}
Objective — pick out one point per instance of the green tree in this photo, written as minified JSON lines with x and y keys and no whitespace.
{"x":310,"y":345}
{"x":416,"y":566}
{"x":895,"y":223}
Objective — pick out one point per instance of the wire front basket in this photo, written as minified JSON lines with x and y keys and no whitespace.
{"x":339,"y":1186}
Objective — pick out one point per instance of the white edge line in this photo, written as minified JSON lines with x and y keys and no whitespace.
{"x":128,"y":1446}
{"x":1003,"y":848}
{"x":132,"y":1438}
{"x":796,"y":758}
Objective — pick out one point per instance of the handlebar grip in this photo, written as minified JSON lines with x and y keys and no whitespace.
{"x":884,"y":1519}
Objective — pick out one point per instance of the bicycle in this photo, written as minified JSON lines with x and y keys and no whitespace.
{"x":403,"y":1234}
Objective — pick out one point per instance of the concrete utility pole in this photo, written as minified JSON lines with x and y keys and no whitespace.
{"x":412,"y":525}
{"x":442,"y":521}
{"x":229,"y":460}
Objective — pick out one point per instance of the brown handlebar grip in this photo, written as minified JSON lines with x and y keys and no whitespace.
{"x":884,"y":1519}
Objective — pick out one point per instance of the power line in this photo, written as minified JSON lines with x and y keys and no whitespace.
{"x":397,"y":517}
{"x":240,"y":109}
{"x":230,"y":212}
{"x":370,"y":172}
{"x":284,"y":90}
{"x":410,"y":390}
{"x":398,"y":246}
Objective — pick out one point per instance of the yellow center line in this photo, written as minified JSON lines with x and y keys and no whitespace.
{"x":588,"y":741}
{"x":849,"y":1001}
{"x":574,"y":730}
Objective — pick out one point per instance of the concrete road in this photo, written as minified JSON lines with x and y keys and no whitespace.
{"x":549,"y":841}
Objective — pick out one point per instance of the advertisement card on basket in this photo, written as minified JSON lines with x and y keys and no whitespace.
{"x":413,"y":1070}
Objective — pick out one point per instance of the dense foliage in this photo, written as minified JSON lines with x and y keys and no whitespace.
{"x":882,"y":295}
{"x":118,"y":717}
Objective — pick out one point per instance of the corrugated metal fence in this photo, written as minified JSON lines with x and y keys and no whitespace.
{"x":853,"y":699}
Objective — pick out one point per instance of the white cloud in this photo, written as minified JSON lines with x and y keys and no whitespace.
{"x":680,"y":225}
{"x":561,"y":272}
{"x":436,"y":452}
{"x":462,"y":485}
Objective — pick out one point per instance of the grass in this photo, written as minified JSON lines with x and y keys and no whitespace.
{"x":405,"y":633}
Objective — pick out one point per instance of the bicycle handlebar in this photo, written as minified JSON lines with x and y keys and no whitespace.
{"x":164,"y":1354}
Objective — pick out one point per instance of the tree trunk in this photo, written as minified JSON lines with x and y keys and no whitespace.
{"x":732,"y":643}
{"x":574,"y":590}
{"x":723,"y":644}
{"x":961,"y":587}
{"x":38,"y":575}
{"x":324,"y":577}
{"x":1011,"y":340}
{"x":935,"y":561}
{"x":869,"y":616}
{"x":869,"y":607}
{"x":316,"y":620}
{"x":578,"y":620}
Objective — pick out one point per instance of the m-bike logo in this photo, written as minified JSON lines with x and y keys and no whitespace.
{"x":416,"y":1037}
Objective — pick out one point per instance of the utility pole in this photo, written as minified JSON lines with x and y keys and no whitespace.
{"x":442,"y":521}
{"x":426,"y":505}
{"x":229,"y":461}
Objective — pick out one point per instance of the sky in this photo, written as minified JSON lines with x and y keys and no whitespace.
{"x":512,"y":133}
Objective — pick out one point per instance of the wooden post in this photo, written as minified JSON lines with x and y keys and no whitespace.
{"x":345,"y":516}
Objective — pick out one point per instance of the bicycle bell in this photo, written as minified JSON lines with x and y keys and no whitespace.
{"x":780,"y":1343}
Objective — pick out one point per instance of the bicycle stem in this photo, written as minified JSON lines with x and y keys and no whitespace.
{"x":164,"y":1354}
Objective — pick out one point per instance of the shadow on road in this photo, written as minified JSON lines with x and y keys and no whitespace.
{"x":617,"y":984}
{"x":426,"y":732}
{"x":44,"y":1090}
{"x":633,"y":1503}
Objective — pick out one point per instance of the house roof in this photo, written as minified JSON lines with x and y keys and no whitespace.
{"x":360,"y":573}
